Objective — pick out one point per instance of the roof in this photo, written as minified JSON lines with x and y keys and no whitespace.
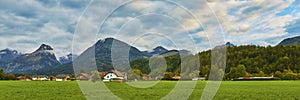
{"x":82,"y":76}
{"x":119,"y":74}
{"x":21,"y":77}
{"x":62,"y":75}
{"x":102,"y":73}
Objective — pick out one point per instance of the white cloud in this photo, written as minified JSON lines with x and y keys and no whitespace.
{"x":27,"y":24}
{"x":53,"y":22}
{"x":252,"y":20}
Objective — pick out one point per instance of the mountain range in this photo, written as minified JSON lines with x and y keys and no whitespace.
{"x":43,"y":60}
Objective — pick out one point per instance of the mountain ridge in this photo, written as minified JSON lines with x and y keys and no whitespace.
{"x":43,"y":57}
{"x":103,"y":60}
{"x":290,"y":41}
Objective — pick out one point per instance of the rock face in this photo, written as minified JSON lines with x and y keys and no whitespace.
{"x":290,"y":41}
{"x":43,"y":57}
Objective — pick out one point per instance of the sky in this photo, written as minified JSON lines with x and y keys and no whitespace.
{"x":196,"y":25}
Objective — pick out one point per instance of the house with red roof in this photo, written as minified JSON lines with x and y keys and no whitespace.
{"x":114,"y":75}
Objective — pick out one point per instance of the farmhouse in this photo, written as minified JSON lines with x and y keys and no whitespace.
{"x":102,"y":74}
{"x":44,"y":78}
{"x":114,"y":75}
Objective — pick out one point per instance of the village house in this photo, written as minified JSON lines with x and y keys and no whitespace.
{"x":177,"y":77}
{"x":83,"y":76}
{"x":256,"y":78}
{"x":24,"y":78}
{"x":62,"y":77}
{"x":39,"y":78}
{"x":102,"y":74}
{"x":145,"y":77}
{"x":35,"y":78}
{"x":114,"y":75}
{"x":52,"y":78}
{"x":44,"y":78}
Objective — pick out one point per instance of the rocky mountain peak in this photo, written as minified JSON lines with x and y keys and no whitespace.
{"x":44,"y":47}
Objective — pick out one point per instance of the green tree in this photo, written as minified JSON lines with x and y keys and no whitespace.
{"x":289,"y":75}
{"x":239,"y":71}
{"x":11,"y":77}
{"x":278,"y":74}
{"x":168,"y":75}
{"x":261,"y":74}
{"x":2,"y":75}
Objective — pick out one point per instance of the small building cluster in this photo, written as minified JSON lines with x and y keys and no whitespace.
{"x":256,"y":78}
{"x":60,"y":77}
{"x":111,"y":76}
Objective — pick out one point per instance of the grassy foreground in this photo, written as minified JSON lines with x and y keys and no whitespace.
{"x":228,"y":90}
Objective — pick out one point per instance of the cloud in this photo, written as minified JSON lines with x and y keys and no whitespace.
{"x":133,"y":21}
{"x":27,"y":24}
{"x":254,"y":21}
{"x":294,"y":27}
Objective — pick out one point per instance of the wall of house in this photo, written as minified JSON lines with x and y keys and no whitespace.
{"x":110,"y":76}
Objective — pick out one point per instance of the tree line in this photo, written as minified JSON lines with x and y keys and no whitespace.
{"x":4,"y":76}
{"x":282,"y":62}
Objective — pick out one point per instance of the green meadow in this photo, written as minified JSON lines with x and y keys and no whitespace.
{"x":19,"y":90}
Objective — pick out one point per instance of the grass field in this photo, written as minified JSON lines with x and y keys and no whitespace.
{"x":228,"y":90}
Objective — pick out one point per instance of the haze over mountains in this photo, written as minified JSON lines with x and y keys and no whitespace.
{"x":43,"y":60}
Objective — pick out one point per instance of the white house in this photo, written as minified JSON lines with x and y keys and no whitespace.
{"x":44,"y":79}
{"x":62,"y":77}
{"x":34,"y":78}
{"x":113,"y":75}
{"x":39,"y":78}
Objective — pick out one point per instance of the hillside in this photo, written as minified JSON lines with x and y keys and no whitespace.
{"x":253,"y":61}
{"x":290,"y":41}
